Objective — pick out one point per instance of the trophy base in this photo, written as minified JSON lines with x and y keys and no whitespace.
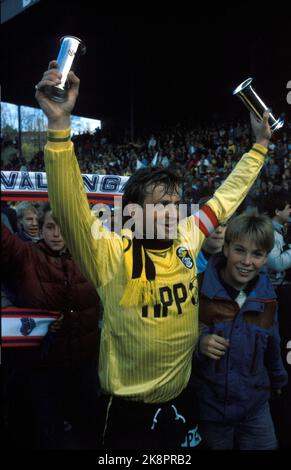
{"x":55,"y":94}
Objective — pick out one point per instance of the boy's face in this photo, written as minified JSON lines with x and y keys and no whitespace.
{"x":52,"y":234}
{"x":244,"y":261}
{"x":29,"y":223}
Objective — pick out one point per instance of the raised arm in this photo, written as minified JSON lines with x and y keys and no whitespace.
{"x":14,"y":250}
{"x":235,"y":188}
{"x":232,"y":192}
{"x":98,"y":259}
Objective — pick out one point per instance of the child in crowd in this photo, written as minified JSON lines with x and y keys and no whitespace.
{"x":238,"y":362}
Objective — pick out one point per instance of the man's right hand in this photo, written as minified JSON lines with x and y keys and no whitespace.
{"x":214,"y":346}
{"x":58,"y":114}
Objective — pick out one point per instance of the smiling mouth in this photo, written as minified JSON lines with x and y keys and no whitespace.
{"x":244,"y":271}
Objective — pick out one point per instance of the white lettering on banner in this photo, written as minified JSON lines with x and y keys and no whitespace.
{"x":110,"y":183}
{"x":91,"y":183}
{"x":25,"y":182}
{"x":30,"y":182}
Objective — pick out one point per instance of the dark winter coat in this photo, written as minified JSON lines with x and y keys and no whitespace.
{"x":50,"y":280}
{"x":235,"y":385}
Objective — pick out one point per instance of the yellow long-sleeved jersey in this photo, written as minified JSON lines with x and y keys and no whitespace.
{"x":146,"y":350}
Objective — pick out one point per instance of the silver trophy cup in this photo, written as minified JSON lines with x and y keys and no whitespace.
{"x":254,"y":103}
{"x":71,"y":49}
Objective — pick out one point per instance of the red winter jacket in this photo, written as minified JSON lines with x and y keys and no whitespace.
{"x":49,"y":280}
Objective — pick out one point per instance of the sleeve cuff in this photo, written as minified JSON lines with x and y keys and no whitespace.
{"x":59,"y":139}
{"x":259,"y":149}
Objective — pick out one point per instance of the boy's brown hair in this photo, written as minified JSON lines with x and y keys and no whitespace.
{"x":253,"y":226}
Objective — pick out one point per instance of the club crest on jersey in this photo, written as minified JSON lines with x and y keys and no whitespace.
{"x":185,"y":257}
{"x":27,"y":325}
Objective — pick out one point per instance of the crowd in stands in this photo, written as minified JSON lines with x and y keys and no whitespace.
{"x":202,"y":156}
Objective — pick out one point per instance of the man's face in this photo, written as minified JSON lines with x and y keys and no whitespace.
{"x":283,"y":216}
{"x":164,"y":221}
{"x":51,"y":234}
{"x":214,"y":243}
{"x":244,"y":261}
{"x":29,"y":223}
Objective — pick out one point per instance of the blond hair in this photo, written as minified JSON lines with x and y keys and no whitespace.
{"x":25,"y":206}
{"x":256,"y":227}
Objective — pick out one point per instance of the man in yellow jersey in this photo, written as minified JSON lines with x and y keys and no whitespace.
{"x":148,"y":286}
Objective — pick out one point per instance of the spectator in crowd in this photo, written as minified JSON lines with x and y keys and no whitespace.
{"x":238,"y":358}
{"x":29,"y":219}
{"x":147,"y":286}
{"x":28,"y":223}
{"x":152,"y":142}
{"x":272,"y":169}
{"x":278,"y":206}
{"x":211,"y":246}
{"x":42,"y":382}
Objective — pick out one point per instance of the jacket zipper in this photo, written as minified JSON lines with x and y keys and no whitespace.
{"x":254,"y":358}
{"x":218,"y":362}
{"x":227,"y":372}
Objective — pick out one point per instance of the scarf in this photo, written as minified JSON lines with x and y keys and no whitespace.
{"x":142,"y":287}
